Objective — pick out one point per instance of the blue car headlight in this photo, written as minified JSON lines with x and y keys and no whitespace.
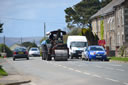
{"x":105,"y":53}
{"x":92,"y":53}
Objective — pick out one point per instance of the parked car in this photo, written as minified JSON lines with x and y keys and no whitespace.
{"x":34,"y":51}
{"x":95,"y":52}
{"x":20,"y":52}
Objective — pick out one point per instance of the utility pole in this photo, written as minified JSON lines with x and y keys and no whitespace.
{"x":44,"y":30}
{"x":34,"y":41}
{"x":4,"y":39}
{"x":4,"y":44}
{"x":21,"y":40}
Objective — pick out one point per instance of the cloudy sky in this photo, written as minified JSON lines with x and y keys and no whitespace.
{"x":25,"y":18}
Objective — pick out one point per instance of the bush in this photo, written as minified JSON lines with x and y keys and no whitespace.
{"x":7,"y":50}
{"x":122,"y":50}
{"x":2,"y":72}
{"x":29,"y":44}
{"x":119,"y":59}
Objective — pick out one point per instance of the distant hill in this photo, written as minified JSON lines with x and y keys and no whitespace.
{"x":9,"y":41}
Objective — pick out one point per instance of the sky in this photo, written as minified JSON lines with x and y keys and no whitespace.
{"x":25,"y":18}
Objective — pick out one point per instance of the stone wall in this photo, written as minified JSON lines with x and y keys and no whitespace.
{"x":126,"y":23}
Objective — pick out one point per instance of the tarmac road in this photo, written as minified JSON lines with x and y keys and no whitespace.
{"x":72,"y":72}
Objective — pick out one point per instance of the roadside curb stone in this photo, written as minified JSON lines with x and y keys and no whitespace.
{"x":118,"y":61}
{"x":14,"y":80}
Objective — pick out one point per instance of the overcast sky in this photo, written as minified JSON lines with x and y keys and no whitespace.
{"x":25,"y":18}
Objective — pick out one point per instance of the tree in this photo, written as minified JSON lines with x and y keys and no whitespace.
{"x":29,"y":44}
{"x":105,"y":2}
{"x":75,"y":31}
{"x":79,"y":14}
{"x":7,"y":50}
{"x":92,"y":39}
{"x":1,"y":28}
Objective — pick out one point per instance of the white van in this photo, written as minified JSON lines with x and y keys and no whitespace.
{"x":76,"y":45}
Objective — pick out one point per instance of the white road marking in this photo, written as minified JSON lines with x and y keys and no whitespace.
{"x":109,"y":68}
{"x":64,"y":67}
{"x":120,"y":69}
{"x":71,"y":69}
{"x":97,"y":76}
{"x":126,"y":83}
{"x":78,"y":71}
{"x":112,"y":79}
{"x":86,"y":73}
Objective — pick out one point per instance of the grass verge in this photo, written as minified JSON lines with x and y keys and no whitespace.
{"x":125,"y":59}
{"x":3,"y":72}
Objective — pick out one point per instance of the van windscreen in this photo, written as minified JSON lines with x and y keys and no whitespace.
{"x":78,"y":44}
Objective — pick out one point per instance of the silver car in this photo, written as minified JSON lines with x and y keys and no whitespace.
{"x":34,"y":51}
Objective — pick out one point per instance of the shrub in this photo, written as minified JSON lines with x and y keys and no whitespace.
{"x":122,"y":50}
{"x":3,"y":72}
{"x":7,"y":50}
{"x":102,"y":30}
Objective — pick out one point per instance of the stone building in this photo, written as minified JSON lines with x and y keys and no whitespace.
{"x":115,"y":24}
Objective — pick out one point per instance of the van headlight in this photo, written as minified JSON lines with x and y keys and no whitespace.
{"x":74,"y":51}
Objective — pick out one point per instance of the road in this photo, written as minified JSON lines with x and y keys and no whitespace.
{"x":72,"y":72}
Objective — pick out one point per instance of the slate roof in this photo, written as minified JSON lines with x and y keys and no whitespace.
{"x":108,"y":8}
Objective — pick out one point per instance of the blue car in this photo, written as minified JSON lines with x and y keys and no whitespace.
{"x":95,"y":52}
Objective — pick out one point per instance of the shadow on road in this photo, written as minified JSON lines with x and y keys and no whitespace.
{"x":23,"y":59}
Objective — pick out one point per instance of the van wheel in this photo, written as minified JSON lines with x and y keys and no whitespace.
{"x":71,"y":56}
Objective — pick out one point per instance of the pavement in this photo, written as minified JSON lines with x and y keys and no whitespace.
{"x":13,"y":78}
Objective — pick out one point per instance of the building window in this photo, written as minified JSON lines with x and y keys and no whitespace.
{"x":123,"y":40}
